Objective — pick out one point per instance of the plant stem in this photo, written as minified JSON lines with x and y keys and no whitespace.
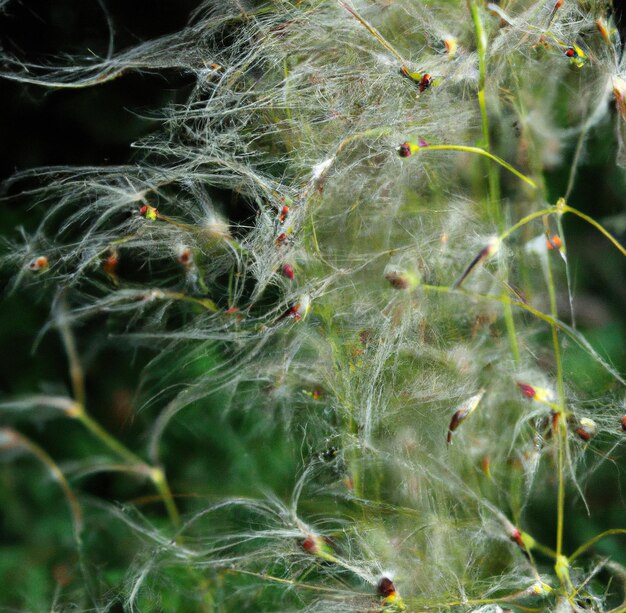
{"x":562,"y":434}
{"x":594,"y":540}
{"x":479,"y":151}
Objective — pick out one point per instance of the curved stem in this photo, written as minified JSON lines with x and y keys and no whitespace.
{"x":565,"y":208}
{"x":591,"y":542}
{"x":479,"y":151}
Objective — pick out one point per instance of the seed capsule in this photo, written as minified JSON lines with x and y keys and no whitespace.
{"x":288,"y":271}
{"x":319,"y":546}
{"x":554,"y":242}
{"x":425,"y":82}
{"x":149,"y":212}
{"x":404,"y":150}
{"x":185,"y":257}
{"x":39,"y":263}
{"x":586,"y":429}
{"x":535,"y":393}
{"x":484,"y":254}
{"x":463,"y":412}
{"x":392,"y":602}
{"x":283,"y":214}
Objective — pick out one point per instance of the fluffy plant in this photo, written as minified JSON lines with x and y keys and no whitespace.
{"x":382,"y":339}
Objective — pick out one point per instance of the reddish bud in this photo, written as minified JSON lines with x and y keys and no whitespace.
{"x":316,"y":394}
{"x":486,"y":466}
{"x":623,"y":423}
{"x":586,"y":429}
{"x":554,"y":242}
{"x":309,"y":544}
{"x":454,"y":424}
{"x":288,"y":271}
{"x":425,"y":82}
{"x":516,"y":537}
{"x":185,"y":257}
{"x":570,"y":52}
{"x":149,"y":212}
{"x":283,"y":214}
{"x":110,"y":264}
{"x":386,"y":587}
{"x":39,"y":263}
{"x":527,"y":390}
{"x":555,"y":422}
{"x":404,"y":150}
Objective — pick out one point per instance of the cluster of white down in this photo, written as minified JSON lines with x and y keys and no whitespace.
{"x":301,"y":116}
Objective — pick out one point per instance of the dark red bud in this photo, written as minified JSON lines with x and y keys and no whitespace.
{"x":386,"y":587}
{"x":516,"y":537}
{"x":585,"y":435}
{"x":454,"y":424}
{"x":288,"y":271}
{"x":404,"y":150}
{"x":527,"y":390}
{"x":309,"y":544}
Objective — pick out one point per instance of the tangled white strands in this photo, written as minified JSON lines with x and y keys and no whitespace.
{"x":346,"y":307}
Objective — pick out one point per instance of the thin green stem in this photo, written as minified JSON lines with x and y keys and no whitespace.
{"x":479,"y":151}
{"x":79,"y":413}
{"x":481,"y":45}
{"x":591,"y":542}
{"x":160,"y":483}
{"x":565,"y":208}
{"x":76,"y":371}
{"x":528,"y":218}
{"x":11,"y":438}
{"x":562,"y":433}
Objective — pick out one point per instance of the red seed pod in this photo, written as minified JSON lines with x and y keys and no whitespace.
{"x":39,"y":263}
{"x":485,"y":464}
{"x":288,"y":271}
{"x":149,"y":212}
{"x":425,"y":82}
{"x":527,"y":390}
{"x":586,"y":429}
{"x":404,"y":150}
{"x":309,"y":544}
{"x":386,"y":587}
{"x":554,"y":242}
{"x":110,"y":264}
{"x":555,"y":422}
{"x":463,"y":412}
{"x":454,"y":424}
{"x":185,"y":257}
{"x":516,"y":537}
{"x":283,"y":214}
{"x":570,"y":52}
